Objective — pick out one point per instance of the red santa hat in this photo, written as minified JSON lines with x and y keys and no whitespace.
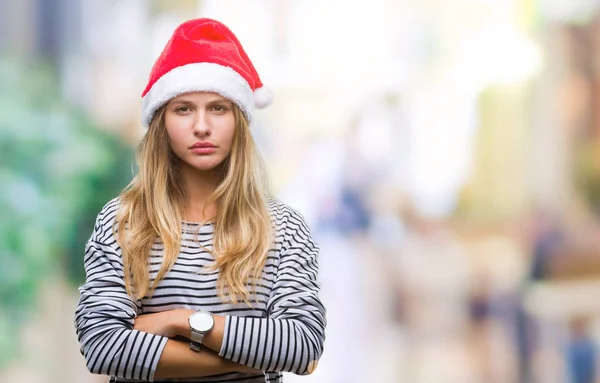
{"x":204,"y":55}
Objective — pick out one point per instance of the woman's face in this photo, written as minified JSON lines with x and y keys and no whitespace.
{"x":200,"y":126}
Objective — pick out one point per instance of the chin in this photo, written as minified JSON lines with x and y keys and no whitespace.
{"x":205,"y":167}
{"x":202,"y":168}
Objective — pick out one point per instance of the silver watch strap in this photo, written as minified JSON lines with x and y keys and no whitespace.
{"x":196,"y":339}
{"x":195,"y":346}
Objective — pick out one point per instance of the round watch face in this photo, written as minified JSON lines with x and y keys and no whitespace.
{"x":201,"y":321}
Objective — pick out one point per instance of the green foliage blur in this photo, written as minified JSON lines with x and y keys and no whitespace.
{"x":57,"y":170}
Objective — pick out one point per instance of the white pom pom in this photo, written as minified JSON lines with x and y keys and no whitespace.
{"x":263,"y":97}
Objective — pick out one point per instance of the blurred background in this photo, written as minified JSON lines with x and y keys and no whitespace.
{"x":446,"y":154}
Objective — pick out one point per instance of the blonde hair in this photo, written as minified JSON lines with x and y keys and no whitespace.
{"x":151,"y":208}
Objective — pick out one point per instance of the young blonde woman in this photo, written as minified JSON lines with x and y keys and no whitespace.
{"x":194,"y":273}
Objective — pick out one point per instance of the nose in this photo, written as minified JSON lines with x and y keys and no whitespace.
{"x":201,"y":126}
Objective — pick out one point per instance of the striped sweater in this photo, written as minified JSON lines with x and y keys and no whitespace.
{"x":283,"y":331}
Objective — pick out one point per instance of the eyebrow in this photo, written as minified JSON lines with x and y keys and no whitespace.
{"x":187,"y":101}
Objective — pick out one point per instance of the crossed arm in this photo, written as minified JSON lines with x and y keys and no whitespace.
{"x":116,"y":341}
{"x":177,"y":359}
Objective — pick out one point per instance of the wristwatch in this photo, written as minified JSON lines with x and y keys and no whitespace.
{"x":201,"y":322}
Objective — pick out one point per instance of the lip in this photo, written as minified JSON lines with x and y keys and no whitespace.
{"x":204,"y":150}
{"x":202,"y":145}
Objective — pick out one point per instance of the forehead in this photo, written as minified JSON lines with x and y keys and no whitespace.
{"x":198,"y":97}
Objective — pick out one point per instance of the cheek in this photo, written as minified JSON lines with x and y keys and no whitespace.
{"x":175,"y":130}
{"x":230,"y":131}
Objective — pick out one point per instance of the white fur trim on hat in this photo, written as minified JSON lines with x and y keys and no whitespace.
{"x":263,"y":97}
{"x":198,"y":77}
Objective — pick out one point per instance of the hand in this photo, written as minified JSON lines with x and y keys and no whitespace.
{"x":167,"y":323}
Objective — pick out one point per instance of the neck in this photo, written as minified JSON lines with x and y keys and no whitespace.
{"x":199,"y":185}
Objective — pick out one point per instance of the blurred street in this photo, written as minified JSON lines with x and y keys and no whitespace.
{"x":445,"y":153}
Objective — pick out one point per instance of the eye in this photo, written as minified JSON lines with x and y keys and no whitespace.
{"x":218,"y":108}
{"x":183,"y":109}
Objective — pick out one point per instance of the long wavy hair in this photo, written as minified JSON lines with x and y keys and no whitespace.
{"x":152,"y":205}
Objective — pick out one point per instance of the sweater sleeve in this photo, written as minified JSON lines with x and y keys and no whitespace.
{"x":291,"y":337}
{"x":105,"y":316}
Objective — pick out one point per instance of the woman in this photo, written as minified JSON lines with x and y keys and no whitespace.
{"x":193,"y":273}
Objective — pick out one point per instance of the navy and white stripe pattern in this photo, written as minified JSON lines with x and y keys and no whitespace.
{"x":283,"y":331}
